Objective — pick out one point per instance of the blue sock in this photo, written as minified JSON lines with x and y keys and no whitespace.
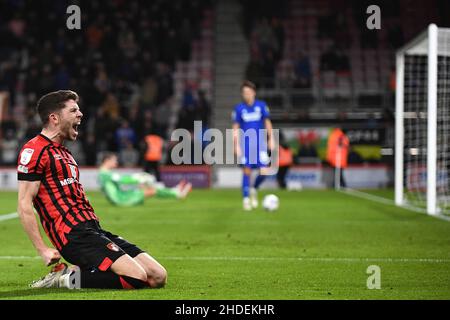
{"x":259,"y":179}
{"x":245,"y":185}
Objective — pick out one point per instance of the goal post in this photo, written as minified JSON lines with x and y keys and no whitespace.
{"x":422,"y":141}
{"x":399,"y":130}
{"x":432,"y":120}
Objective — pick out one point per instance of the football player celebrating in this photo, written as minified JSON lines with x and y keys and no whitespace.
{"x":49,"y":181}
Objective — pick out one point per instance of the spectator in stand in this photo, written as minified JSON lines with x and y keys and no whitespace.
{"x":278,"y":30}
{"x":107,"y":121}
{"x":254,"y":71}
{"x":268,"y":69}
{"x":121,"y":47}
{"x":125,"y":135}
{"x":302,"y":72}
{"x":188,"y":101}
{"x":46,"y":80}
{"x":165,"y":83}
{"x":203,"y":109}
{"x":161,"y":117}
{"x":187,"y":114}
{"x":9,"y":145}
{"x":62,"y":77}
{"x":149,"y":124}
{"x":128,"y":156}
{"x":265,"y":36}
{"x":102,"y":82}
{"x":149,"y":93}
{"x":94,"y":35}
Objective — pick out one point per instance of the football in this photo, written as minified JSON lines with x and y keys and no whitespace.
{"x":271,"y":202}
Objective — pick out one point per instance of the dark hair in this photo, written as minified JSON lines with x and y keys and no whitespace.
{"x":107,"y":155}
{"x":52,"y":102}
{"x":248,"y":84}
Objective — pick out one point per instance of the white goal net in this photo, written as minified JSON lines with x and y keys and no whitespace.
{"x":423,"y":122}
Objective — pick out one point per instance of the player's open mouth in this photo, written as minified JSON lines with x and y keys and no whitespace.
{"x":75,"y":127}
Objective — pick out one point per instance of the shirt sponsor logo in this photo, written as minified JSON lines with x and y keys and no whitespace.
{"x":252,"y":116}
{"x":57,"y":156}
{"x":67,"y":181}
{"x":25,"y":156}
{"x":22,"y":168}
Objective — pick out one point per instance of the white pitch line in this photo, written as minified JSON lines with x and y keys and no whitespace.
{"x":378,"y":199}
{"x":368,"y":196}
{"x":19,"y":257}
{"x":305,"y":259}
{"x":8,"y":216}
{"x":312,"y":259}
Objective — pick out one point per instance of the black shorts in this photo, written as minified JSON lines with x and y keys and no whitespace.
{"x":90,"y":247}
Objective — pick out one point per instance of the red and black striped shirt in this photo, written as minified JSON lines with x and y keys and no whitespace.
{"x":61,"y":201}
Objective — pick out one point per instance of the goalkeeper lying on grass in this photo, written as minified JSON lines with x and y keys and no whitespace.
{"x":131,"y":189}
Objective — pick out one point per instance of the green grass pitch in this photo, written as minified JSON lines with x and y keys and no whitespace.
{"x":318,"y":245}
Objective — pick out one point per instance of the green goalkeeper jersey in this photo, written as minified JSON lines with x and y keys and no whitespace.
{"x":121,"y":189}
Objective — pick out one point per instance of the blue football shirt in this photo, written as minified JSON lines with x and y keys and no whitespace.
{"x":251,"y":120}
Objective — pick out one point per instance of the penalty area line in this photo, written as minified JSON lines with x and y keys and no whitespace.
{"x":19,"y":257}
{"x":313,"y":259}
{"x":367,"y":196}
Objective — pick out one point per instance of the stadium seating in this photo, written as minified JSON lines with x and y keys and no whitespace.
{"x":108,"y":62}
{"x":371,"y":54}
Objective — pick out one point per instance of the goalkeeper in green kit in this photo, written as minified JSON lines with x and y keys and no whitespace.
{"x":131,"y":189}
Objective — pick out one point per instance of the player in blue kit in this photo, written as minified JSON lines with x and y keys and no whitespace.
{"x":251,"y":141}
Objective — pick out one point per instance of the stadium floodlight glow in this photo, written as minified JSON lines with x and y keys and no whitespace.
{"x":422,"y":122}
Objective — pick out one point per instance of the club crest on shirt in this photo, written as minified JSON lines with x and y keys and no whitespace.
{"x":73,"y":170}
{"x":25,"y":156}
{"x":113,"y":247}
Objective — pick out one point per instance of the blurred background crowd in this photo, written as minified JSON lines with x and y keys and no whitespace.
{"x":145,"y":67}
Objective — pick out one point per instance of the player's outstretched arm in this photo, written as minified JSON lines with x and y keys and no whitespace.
{"x":27,"y":191}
